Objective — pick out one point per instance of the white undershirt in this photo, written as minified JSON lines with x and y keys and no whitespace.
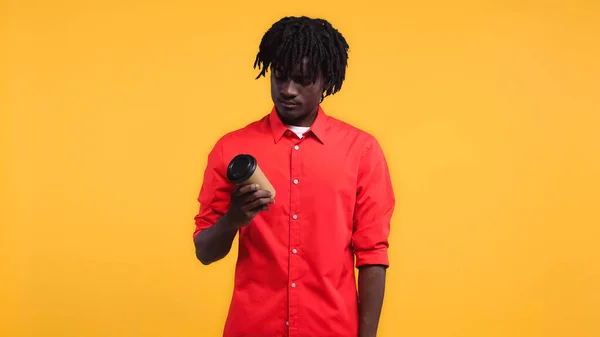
{"x":298,"y":130}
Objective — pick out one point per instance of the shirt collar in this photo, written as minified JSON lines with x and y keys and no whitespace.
{"x":318,"y":128}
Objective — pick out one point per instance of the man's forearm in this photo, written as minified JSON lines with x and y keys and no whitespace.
{"x":371,"y":288}
{"x":214,"y":243}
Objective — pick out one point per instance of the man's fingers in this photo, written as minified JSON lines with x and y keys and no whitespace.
{"x":254,"y":212}
{"x":248,"y":198}
{"x":245,"y":189}
{"x":257,"y":203}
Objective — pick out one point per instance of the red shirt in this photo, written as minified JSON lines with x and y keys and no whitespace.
{"x":295,"y":269}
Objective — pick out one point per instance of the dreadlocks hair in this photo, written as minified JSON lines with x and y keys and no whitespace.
{"x":292,"y":39}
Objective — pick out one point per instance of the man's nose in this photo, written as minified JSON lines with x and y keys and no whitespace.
{"x":289,"y":89}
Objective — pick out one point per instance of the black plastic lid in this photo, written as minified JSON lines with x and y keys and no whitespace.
{"x":240,"y":168}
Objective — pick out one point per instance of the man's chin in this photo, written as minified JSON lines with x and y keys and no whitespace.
{"x":288,"y":112}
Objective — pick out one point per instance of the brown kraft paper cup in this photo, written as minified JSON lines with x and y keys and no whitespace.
{"x":243,"y":169}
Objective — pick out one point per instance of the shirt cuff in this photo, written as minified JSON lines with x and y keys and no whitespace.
{"x":370,"y":257}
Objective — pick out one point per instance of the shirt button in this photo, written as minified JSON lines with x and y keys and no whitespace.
{"x":287,"y":323}
{"x":293,"y":285}
{"x":294,"y":251}
{"x":295,"y":216}
{"x":296,"y":147}
{"x":296,"y":181}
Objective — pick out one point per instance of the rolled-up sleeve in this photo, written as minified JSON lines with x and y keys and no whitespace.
{"x":215,"y":192}
{"x":375,"y":203}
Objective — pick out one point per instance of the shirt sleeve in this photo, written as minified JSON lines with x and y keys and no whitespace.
{"x":215,"y":192}
{"x":374,"y":207}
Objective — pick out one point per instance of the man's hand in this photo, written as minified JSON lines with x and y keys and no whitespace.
{"x":246,"y":202}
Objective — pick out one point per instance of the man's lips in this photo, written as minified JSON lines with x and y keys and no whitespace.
{"x":288,"y":104}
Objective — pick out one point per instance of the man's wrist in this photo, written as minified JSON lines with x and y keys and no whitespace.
{"x":230,"y":223}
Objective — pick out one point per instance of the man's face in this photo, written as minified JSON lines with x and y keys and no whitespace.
{"x":295,"y":96}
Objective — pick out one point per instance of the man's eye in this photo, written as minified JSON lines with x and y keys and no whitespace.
{"x":304,"y":81}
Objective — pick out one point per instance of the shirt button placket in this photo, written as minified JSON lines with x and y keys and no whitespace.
{"x":294,"y":241}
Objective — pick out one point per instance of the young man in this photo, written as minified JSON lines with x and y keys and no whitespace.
{"x":295,"y":269}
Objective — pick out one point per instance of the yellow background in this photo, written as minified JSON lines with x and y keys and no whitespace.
{"x":488,"y":113}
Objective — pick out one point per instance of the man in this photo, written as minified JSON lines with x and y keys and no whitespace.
{"x":295,"y":269}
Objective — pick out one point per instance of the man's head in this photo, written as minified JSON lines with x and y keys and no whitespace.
{"x":307,"y":58}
